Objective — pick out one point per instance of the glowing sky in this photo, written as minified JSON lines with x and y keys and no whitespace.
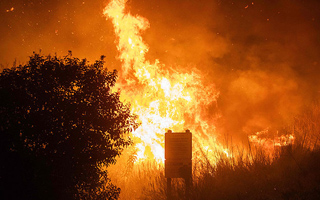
{"x":54,"y":27}
{"x":264,"y":56}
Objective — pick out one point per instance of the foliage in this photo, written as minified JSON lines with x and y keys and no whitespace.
{"x":60,"y":125}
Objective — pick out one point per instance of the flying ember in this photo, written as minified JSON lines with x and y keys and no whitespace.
{"x":163,"y":97}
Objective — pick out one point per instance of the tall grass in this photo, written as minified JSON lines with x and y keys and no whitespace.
{"x":291,"y":172}
{"x":134,"y":177}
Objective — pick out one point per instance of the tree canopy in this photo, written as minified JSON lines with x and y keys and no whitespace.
{"x":60,"y":123}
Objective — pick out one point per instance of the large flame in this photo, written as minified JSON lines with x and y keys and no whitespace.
{"x":163,"y":97}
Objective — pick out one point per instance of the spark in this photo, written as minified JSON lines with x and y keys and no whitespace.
{"x":10,"y":10}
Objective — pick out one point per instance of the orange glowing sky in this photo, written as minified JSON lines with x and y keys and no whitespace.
{"x":263,"y":56}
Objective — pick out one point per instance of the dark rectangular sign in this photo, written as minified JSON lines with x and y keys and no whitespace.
{"x":178,"y":154}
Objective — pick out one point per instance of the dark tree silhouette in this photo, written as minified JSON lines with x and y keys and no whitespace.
{"x":61,"y":125}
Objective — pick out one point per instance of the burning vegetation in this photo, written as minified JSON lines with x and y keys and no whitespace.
{"x":240,"y":75}
{"x":163,"y":97}
{"x":173,"y":97}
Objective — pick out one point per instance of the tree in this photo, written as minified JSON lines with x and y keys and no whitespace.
{"x":60,"y":126}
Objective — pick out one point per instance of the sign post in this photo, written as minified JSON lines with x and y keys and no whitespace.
{"x":178,"y":155}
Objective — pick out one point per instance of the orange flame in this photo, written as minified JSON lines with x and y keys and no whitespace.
{"x":163,"y":98}
{"x":270,"y":144}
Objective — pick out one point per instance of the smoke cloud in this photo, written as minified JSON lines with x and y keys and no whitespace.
{"x":263,"y":56}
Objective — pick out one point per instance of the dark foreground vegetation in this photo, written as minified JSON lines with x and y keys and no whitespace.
{"x":293,"y":175}
{"x":60,"y":126}
{"x":291,"y":172}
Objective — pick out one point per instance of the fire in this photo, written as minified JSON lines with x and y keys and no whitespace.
{"x":270,"y":144}
{"x":163,"y":97}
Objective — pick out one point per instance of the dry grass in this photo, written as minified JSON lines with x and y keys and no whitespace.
{"x":292,"y":172}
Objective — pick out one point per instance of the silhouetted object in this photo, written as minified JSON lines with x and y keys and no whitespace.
{"x":59,"y":125}
{"x":178,"y":159}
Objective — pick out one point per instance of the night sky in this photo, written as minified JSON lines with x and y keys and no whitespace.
{"x":54,"y":26}
{"x":263,"y":56}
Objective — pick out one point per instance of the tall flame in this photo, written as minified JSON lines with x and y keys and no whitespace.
{"x":163,"y":97}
